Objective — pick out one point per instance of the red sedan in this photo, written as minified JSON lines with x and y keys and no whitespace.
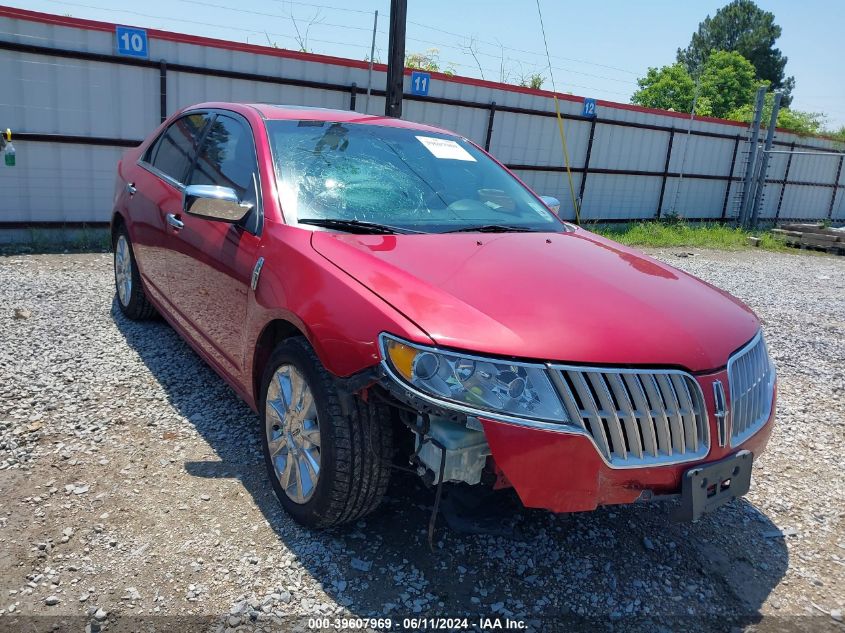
{"x":385,"y":293}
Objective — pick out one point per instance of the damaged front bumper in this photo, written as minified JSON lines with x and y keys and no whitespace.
{"x":561,"y":469}
{"x":564,"y":473}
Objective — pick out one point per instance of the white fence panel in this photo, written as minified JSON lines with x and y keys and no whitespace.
{"x":710,"y":156}
{"x":702,"y":198}
{"x":65,"y":96}
{"x":189,"y":89}
{"x":522,"y":139}
{"x":800,"y":202}
{"x":59,"y":182}
{"x":79,"y":98}
{"x":621,"y":197}
{"x":616,"y":147}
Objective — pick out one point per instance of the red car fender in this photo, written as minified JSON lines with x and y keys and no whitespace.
{"x":344,"y":333}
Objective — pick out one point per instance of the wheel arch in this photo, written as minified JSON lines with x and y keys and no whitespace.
{"x":274,"y":332}
{"x":117,"y":221}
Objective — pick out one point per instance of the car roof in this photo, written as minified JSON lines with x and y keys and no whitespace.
{"x":277,"y":112}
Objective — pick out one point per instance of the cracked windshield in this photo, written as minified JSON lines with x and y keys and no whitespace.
{"x":357,"y":176}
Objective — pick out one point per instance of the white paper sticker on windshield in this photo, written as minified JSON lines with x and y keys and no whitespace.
{"x":444,"y":148}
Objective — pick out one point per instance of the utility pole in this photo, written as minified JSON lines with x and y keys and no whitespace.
{"x":752,"y":157}
{"x":396,"y":58}
{"x":764,"y":161}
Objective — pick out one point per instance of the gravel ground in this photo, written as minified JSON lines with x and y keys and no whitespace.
{"x":132,"y":485}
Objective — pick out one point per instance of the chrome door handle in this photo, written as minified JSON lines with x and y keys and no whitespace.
{"x":173,"y":221}
{"x":130,"y":187}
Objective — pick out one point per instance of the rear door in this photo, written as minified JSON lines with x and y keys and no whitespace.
{"x":211,"y":262}
{"x":156,"y":191}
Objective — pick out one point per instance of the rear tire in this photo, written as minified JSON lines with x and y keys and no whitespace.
{"x":130,"y":294}
{"x":352,"y":452}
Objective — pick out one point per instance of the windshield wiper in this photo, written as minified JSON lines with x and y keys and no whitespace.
{"x":356,"y":226}
{"x":491,"y":228}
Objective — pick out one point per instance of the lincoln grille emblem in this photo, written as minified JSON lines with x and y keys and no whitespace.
{"x":721,"y":411}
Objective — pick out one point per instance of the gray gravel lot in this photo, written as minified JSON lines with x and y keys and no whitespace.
{"x":132,"y":484}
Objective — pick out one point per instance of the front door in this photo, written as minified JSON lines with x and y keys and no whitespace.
{"x":211,"y":262}
{"x":154,"y":191}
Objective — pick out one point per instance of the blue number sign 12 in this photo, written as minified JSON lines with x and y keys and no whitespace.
{"x":420,"y":83}
{"x":589,"y":107}
{"x":131,"y":41}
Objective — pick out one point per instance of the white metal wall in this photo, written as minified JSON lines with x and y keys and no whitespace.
{"x":61,"y":182}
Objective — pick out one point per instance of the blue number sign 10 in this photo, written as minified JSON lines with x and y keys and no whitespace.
{"x":131,"y":41}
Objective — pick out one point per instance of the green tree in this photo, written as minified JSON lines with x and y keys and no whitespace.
{"x":667,"y":88}
{"x":743,"y":27}
{"x":727,"y":82}
{"x":793,"y":120}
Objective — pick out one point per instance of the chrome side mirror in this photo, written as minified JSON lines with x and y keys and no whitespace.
{"x":551,"y":202}
{"x":214,"y":203}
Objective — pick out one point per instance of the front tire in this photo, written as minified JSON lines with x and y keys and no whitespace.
{"x":326,"y":468}
{"x":127,"y":280}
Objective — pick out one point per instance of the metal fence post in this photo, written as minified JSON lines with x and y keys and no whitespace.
{"x":353,"y":95}
{"x":587,"y":162}
{"x":490,"y":118}
{"x":730,"y":178}
{"x":785,"y":180}
{"x":665,"y":172}
{"x":764,"y":161}
{"x":162,"y":89}
{"x":752,"y":155}
{"x":835,"y":187}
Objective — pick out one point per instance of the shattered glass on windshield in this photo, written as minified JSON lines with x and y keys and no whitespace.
{"x":396,"y":177}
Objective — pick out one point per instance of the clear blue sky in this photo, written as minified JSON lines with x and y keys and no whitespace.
{"x":598,"y":48}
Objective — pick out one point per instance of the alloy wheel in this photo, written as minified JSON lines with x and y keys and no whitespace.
{"x":123,"y":270}
{"x":293,"y":433}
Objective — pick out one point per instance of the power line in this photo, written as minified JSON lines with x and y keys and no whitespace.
{"x":274,"y":15}
{"x":546,"y":44}
{"x":560,"y":125}
{"x":432,"y":42}
{"x":211,"y":24}
{"x":421,"y":25}
{"x":421,"y":41}
{"x":326,"y":6}
{"x":520,"y":50}
{"x":347,"y":44}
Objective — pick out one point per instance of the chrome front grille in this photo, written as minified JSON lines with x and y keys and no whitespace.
{"x":751,"y":376}
{"x":637,"y":417}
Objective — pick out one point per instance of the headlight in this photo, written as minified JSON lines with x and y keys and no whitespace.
{"x":481,"y":384}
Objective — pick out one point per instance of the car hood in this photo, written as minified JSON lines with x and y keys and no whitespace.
{"x":571,"y":297}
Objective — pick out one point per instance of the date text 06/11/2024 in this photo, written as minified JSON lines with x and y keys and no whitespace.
{"x":419,"y":624}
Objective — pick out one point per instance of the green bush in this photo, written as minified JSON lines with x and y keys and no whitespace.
{"x":674,"y":232}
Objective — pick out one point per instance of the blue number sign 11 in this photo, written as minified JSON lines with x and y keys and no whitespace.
{"x":420,"y":83}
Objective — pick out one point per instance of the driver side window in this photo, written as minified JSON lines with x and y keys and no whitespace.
{"x":173,"y":151}
{"x":227,"y":159}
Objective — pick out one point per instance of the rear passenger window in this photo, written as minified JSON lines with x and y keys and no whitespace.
{"x":173,"y":152}
{"x":227,"y":158}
